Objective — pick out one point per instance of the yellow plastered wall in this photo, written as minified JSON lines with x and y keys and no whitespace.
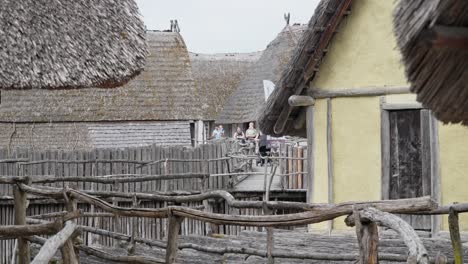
{"x":453,"y":153}
{"x":355,"y":150}
{"x":362,"y":54}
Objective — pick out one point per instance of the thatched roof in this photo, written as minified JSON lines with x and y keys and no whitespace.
{"x":163,"y":91}
{"x":433,"y":38}
{"x":93,"y":135}
{"x":303,"y":66}
{"x":245,"y":103}
{"x":70,"y":43}
{"x":217,"y":76}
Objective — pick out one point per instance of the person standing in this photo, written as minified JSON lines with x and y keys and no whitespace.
{"x":216,"y":133}
{"x":221,"y":130}
{"x":251,"y":132}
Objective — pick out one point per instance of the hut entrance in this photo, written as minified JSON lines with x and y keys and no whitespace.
{"x":408,"y":177}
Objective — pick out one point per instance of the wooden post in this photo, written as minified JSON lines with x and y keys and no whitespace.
{"x":52,"y":244}
{"x":21,"y":204}
{"x":131,"y":248}
{"x":173,"y":233}
{"x":455,"y":236}
{"x":329,"y":160}
{"x":310,"y":152}
{"x":69,"y":255}
{"x":368,"y":237}
{"x":270,"y":243}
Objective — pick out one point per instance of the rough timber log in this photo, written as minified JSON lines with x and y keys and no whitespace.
{"x":21,"y":204}
{"x":54,"y":243}
{"x":368,"y":238}
{"x":104,"y":255}
{"x":30,"y":230}
{"x":455,"y":236}
{"x":413,"y":205}
{"x":357,"y":92}
{"x":417,"y":251}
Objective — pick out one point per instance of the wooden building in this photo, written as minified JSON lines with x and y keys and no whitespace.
{"x":156,"y":107}
{"x":368,"y":138}
{"x":216,"y":77}
{"x":244,"y":104}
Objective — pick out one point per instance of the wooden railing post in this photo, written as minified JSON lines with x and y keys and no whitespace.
{"x":172,"y":237}
{"x":455,"y":236}
{"x":368,"y":237}
{"x":21,"y":204}
{"x":69,"y":255}
{"x":270,"y":243}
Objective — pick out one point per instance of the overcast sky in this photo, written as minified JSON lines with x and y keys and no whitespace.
{"x":211,"y":26}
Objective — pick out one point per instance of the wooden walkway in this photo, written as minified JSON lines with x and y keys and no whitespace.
{"x":297,"y":241}
{"x":255,"y":182}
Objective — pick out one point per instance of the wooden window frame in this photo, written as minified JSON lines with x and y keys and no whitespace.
{"x":430,"y":153}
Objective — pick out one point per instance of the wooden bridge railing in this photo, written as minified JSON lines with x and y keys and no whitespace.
{"x":365,"y":215}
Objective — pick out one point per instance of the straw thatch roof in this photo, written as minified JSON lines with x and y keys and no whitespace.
{"x":433,"y":38}
{"x":245,"y":103}
{"x":163,"y":91}
{"x":303,"y":66}
{"x":217,"y":76}
{"x":69,"y":43}
{"x":93,"y":135}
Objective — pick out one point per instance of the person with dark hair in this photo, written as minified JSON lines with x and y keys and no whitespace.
{"x":239,"y":134}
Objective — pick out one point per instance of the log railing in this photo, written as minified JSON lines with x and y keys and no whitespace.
{"x":370,"y":213}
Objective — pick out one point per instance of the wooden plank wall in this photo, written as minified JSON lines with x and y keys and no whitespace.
{"x":293,"y":166}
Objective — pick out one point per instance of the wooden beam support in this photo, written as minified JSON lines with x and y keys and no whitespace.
{"x":447,"y":37}
{"x":417,"y":251}
{"x":270,"y":245}
{"x":455,"y":236}
{"x":21,"y":204}
{"x":329,"y":159}
{"x":368,"y":237}
{"x":174,"y":222}
{"x":310,"y":153}
{"x":30,"y":230}
{"x":357,"y":92}
{"x":301,"y":100}
{"x":52,"y":244}
{"x":401,"y":106}
{"x":69,"y":255}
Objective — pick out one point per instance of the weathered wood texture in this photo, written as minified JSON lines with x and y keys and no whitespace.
{"x":49,"y":166}
{"x":455,"y":236}
{"x":357,"y":92}
{"x":417,"y":251}
{"x":290,"y":247}
{"x":368,"y":237}
{"x":21,"y":205}
{"x":53,"y":244}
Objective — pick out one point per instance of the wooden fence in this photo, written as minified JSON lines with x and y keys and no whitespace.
{"x":210,"y":159}
{"x":294,"y":164}
{"x":365,"y":216}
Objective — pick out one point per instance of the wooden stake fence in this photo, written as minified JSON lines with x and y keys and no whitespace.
{"x":314,"y":214}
